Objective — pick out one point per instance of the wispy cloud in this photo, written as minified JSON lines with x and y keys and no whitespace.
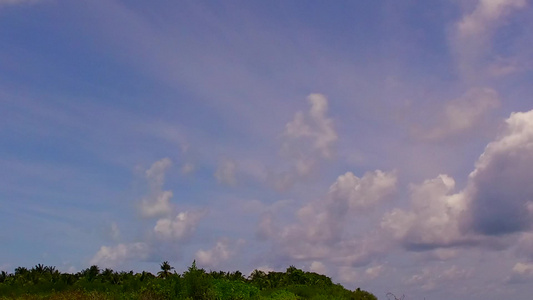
{"x":460,"y":116}
{"x":474,"y":33}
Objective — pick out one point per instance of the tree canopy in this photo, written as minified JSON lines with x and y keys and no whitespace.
{"x":45,"y":282}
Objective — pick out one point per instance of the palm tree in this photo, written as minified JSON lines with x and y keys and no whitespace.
{"x":259,"y":278}
{"x":90,"y":273}
{"x":165,"y":270}
{"x":3,"y":276}
{"x":39,"y":268}
{"x":107,"y":275}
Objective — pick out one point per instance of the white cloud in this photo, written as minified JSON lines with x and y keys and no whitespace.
{"x":500,"y":186}
{"x":157,"y":203}
{"x":171,"y":227}
{"x":113,"y":256}
{"x":324,"y":220}
{"x":318,"y":232}
{"x":473,"y":36}
{"x":348,"y":274}
{"x":222,"y":251}
{"x":521,"y":273}
{"x":315,"y":126}
{"x":360,"y":193}
{"x":374,"y":272}
{"x":485,"y":15}
{"x":225,"y":172}
{"x":187,"y":168}
{"x":179,"y":228}
{"x":156,"y":173}
{"x":461,"y":115}
{"x":495,"y":202}
{"x":318,"y":267}
{"x":308,"y":138}
{"x":433,"y":218}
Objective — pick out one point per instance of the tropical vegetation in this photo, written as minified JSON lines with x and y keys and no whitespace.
{"x":45,"y":282}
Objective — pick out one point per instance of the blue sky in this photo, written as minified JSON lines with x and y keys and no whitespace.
{"x":387,"y":144}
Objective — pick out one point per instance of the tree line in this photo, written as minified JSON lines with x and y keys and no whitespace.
{"x":46,"y":282}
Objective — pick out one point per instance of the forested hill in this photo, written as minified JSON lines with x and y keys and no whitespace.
{"x":44,"y":282}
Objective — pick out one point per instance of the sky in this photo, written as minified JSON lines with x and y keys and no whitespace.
{"x":386,"y":144}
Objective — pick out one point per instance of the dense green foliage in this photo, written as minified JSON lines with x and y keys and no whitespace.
{"x":43,"y":282}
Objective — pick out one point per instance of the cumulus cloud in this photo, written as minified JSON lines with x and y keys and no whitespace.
{"x":157,"y":203}
{"x":113,"y":256}
{"x":222,"y":251}
{"x":497,"y":199}
{"x":433,"y":219}
{"x":500,"y":186}
{"x":461,"y":115}
{"x":324,"y":220}
{"x":357,"y":193}
{"x":178,"y":228}
{"x":226,"y":171}
{"x":318,"y":232}
{"x":521,"y":273}
{"x":314,"y":127}
{"x":308,"y":138}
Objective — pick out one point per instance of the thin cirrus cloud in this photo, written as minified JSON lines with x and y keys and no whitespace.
{"x":460,"y":116}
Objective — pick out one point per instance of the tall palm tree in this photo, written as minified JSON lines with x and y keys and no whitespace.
{"x":165,"y":270}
